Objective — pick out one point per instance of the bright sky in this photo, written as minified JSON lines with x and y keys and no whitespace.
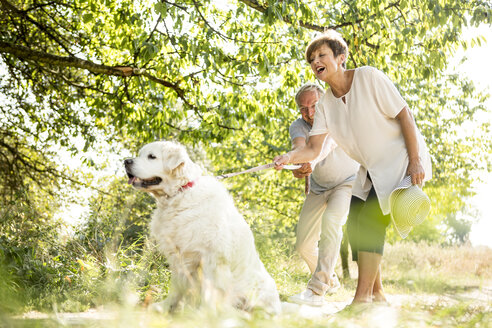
{"x":479,"y":68}
{"x":480,"y":233}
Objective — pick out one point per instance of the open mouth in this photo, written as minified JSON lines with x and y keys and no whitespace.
{"x":320,"y":70}
{"x":143,"y":182}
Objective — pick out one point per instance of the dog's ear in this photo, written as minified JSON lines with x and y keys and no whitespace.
{"x":178,"y":170}
{"x":175,"y":159}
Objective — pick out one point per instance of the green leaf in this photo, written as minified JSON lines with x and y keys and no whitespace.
{"x":87,"y":18}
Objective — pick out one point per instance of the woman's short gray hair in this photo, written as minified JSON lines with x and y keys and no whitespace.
{"x":308,"y":87}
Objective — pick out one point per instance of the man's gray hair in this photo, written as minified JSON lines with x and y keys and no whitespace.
{"x":308,"y":87}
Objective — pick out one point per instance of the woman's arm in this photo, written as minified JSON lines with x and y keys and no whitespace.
{"x":409,"y":131}
{"x":302,"y":154}
{"x":298,"y":142}
{"x":305,"y":170}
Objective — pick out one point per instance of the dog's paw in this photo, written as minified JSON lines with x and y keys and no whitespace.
{"x":166,"y":306}
{"x":159,"y":307}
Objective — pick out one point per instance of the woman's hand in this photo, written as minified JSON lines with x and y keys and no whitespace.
{"x":281,"y":160}
{"x":304,"y":171}
{"x":416,"y":171}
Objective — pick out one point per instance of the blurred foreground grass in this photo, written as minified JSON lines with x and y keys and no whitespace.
{"x":427,"y":286}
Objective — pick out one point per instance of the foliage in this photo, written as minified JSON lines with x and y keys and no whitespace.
{"x":223,"y":74}
{"x":427,"y":285}
{"x":106,"y":258}
{"x":32,"y":260}
{"x":219,"y":77}
{"x":460,"y":225}
{"x":119,"y":219}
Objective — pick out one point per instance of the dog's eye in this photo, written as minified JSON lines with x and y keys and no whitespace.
{"x":151,"y":156}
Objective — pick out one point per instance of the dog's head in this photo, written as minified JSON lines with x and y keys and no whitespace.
{"x":161,"y":166}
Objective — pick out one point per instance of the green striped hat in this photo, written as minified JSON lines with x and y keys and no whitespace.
{"x":409,"y":206}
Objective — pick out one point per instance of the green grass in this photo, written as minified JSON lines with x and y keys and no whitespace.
{"x":429,"y":286}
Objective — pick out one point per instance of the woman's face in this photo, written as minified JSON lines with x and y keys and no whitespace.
{"x":323,"y":63}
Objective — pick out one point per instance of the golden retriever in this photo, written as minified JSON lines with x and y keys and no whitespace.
{"x":206,"y":241}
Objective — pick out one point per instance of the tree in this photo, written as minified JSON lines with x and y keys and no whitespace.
{"x":222,"y":75}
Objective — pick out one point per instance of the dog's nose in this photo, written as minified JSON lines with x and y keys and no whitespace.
{"x":128,"y":162}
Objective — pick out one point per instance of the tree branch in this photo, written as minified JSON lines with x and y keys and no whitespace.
{"x":137,"y":52}
{"x":255,"y":5}
{"x":75,"y":84}
{"x":23,"y":14}
{"x":41,"y":5}
{"x":222,"y":35}
{"x":26,"y":53}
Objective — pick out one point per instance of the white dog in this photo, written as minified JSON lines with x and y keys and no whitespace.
{"x":208,"y":244}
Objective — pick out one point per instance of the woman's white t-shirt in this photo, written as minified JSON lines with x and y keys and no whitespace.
{"x":365,"y":127}
{"x":332,"y":167}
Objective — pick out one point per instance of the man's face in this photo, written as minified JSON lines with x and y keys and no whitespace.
{"x":307,"y":105}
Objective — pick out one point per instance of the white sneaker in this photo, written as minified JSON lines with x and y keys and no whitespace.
{"x":308,"y":297}
{"x":334,"y":284}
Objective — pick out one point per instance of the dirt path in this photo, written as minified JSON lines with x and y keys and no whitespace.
{"x":481,"y":297}
{"x":399,"y":306}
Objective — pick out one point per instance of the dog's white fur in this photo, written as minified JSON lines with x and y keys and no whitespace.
{"x":208,"y":244}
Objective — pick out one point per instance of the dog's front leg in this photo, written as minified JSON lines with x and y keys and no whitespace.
{"x":216,"y":284}
{"x":173,"y":301}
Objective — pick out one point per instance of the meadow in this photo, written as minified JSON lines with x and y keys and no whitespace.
{"x":427,"y":286}
{"x":94,"y":78}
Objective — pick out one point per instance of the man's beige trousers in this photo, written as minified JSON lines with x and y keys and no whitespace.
{"x":319,"y":233}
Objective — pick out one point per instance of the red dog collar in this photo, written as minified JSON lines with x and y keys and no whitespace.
{"x":188,"y":185}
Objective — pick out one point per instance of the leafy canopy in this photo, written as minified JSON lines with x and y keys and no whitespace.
{"x":222,"y":75}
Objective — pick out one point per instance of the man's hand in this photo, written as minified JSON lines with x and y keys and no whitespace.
{"x":304,"y":171}
{"x":416,"y":171}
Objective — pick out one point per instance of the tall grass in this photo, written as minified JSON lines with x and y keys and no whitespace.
{"x":433,"y":286}
{"x":431,"y":268}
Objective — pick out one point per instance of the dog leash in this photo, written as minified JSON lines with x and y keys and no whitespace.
{"x":256,"y":168}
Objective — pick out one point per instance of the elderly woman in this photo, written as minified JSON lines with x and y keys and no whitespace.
{"x":366,"y":116}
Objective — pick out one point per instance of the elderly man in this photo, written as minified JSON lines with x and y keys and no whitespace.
{"x":325,"y":209}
